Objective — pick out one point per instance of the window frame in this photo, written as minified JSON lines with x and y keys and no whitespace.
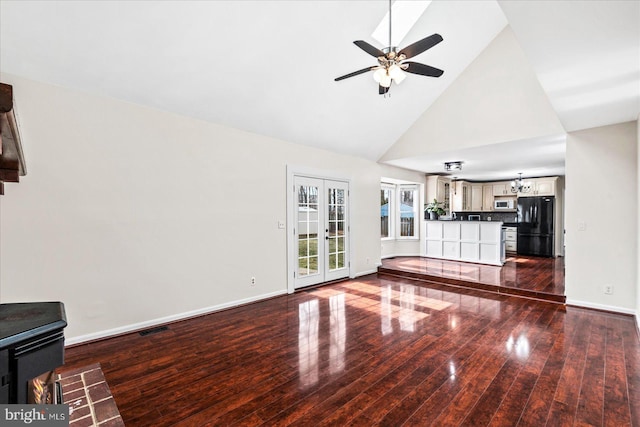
{"x":391,"y":210}
{"x":416,"y":211}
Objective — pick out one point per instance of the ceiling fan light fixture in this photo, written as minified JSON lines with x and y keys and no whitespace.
{"x":385,"y":81}
{"x":377,"y":76}
{"x":396,"y":73}
{"x":453,"y":166}
{"x":391,"y":60}
{"x":393,"y":71}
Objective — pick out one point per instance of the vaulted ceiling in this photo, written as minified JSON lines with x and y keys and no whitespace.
{"x":268,"y":66}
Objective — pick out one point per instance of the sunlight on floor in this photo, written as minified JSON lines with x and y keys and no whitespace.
{"x":420,"y":300}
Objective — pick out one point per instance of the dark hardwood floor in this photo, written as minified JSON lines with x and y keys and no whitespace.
{"x":379,"y":351}
{"x":528,"y":276}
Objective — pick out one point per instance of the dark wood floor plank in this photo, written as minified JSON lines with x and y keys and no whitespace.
{"x":512,"y":404}
{"x":462,"y":368}
{"x":591,"y":402}
{"x":454,"y":367}
{"x":378,"y":351}
{"x":355,"y":395}
{"x":537,"y":408}
{"x":524,"y":350}
{"x":481,"y":378}
{"x":616,"y":397}
{"x":567,"y":398}
{"x":632,"y":365}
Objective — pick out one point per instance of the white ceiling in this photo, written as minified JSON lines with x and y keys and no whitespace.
{"x":268,"y":66}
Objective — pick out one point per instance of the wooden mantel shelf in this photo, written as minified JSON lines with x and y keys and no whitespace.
{"x":12,"y":164}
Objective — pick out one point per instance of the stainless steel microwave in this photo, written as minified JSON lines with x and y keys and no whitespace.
{"x":504,"y":204}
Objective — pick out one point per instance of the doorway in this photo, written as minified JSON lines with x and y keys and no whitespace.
{"x":319,"y":231}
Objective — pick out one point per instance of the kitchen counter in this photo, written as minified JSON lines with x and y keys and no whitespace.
{"x":472,"y":241}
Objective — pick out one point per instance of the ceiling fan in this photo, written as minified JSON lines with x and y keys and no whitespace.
{"x":393,"y":63}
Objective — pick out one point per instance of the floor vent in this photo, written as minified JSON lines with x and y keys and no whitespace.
{"x":153,"y":330}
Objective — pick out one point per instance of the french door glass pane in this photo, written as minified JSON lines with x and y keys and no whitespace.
{"x":307,"y":230}
{"x":336,"y":226}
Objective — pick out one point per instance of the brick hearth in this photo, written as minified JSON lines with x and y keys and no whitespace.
{"x":87,"y":393}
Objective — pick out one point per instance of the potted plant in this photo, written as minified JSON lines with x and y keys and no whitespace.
{"x":435,"y":209}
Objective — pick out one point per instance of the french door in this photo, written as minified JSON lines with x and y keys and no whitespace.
{"x":320,"y":230}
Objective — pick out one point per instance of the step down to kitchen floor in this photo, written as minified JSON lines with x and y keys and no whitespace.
{"x":473,"y":285}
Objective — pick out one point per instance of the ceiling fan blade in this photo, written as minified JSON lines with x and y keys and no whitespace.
{"x":423,"y":70}
{"x":421,"y":45}
{"x":355,"y":73}
{"x":382,"y":90}
{"x":371,"y":50}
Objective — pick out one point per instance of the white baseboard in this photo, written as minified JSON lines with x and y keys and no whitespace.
{"x":364,"y":273}
{"x":167,"y":319}
{"x":604,"y":307}
{"x":400,"y":255}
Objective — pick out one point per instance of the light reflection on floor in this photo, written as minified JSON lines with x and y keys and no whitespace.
{"x":338,"y":333}
{"x":308,"y":320}
{"x":399,"y":306}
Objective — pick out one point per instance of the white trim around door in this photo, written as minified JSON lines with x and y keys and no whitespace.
{"x":318,"y":228}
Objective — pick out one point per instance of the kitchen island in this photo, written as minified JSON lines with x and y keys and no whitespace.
{"x":472,"y":241}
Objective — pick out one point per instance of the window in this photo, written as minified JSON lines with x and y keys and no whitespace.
{"x":387,"y":207}
{"x":399,"y":213}
{"x":408,"y":195}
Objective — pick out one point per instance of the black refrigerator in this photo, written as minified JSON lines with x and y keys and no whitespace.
{"x":535,"y":226}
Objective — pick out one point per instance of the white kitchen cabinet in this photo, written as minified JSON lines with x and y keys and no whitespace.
{"x":502,"y":188}
{"x":472,"y":241}
{"x":487,"y":197}
{"x":545,"y":187}
{"x":439,"y":188}
{"x":476,"y":197}
{"x":443,"y":193}
{"x":461,"y":198}
{"x":540,"y":187}
{"x":511,"y":239}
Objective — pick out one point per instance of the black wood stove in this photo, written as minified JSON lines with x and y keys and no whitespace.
{"x":31,"y":348}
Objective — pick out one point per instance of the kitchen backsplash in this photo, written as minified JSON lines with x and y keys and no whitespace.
{"x":484,"y":216}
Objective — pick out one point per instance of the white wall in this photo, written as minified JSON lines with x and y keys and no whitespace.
{"x":601,"y":217}
{"x":465,"y":116}
{"x":131,"y":215}
{"x":638,"y":225}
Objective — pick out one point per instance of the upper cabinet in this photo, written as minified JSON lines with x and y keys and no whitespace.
{"x":541,"y":187}
{"x":439,"y":188}
{"x":443,"y":193}
{"x":476,"y":197}
{"x":461,"y":197}
{"x":502,"y":188}
{"x":487,"y":197}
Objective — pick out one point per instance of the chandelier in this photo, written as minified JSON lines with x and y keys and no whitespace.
{"x":519,"y":186}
